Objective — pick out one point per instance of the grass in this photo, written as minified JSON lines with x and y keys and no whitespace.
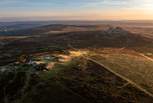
{"x":96,"y":84}
{"x":130,"y":65}
{"x":58,"y":68}
{"x":79,"y":81}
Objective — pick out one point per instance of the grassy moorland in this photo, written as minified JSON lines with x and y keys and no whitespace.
{"x":42,"y":67}
{"x":75,"y":81}
{"x":131,"y":64}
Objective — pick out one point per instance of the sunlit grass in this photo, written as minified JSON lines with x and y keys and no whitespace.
{"x":129,"y":64}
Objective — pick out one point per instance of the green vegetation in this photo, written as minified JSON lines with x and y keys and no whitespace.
{"x":76,"y":81}
{"x":53,"y":48}
{"x":16,"y":80}
{"x":41,"y":69}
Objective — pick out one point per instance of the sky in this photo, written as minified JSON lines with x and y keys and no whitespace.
{"x":76,"y":9}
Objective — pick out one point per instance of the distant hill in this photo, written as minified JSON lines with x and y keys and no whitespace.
{"x":108,"y":37}
{"x":111,"y":37}
{"x":53,"y":37}
{"x":17,"y":28}
{"x":37,"y":28}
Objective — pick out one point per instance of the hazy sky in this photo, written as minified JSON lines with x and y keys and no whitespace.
{"x":76,"y":9}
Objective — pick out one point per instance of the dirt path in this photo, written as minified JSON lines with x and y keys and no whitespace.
{"x":150,"y":59}
{"x":121,"y":76}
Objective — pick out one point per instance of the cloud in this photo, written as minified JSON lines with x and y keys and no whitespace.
{"x":64,"y":4}
{"x":88,"y":9}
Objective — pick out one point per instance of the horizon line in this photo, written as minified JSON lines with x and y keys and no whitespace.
{"x":75,"y":20}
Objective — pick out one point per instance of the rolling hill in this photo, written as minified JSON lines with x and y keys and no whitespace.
{"x":45,"y":53}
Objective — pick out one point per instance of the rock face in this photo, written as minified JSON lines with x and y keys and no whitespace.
{"x":117,"y":31}
{"x":118,"y":34}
